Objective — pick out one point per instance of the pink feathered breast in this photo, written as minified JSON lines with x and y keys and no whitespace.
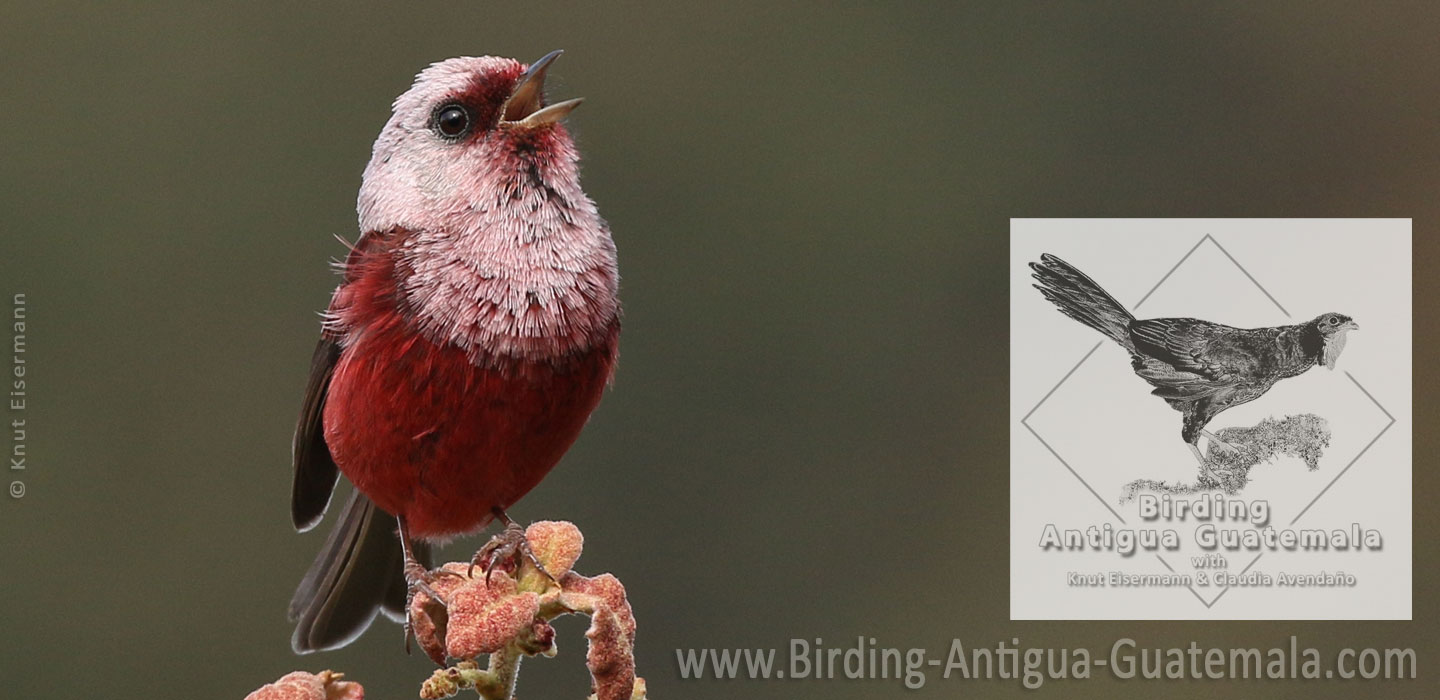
{"x":429,"y":434}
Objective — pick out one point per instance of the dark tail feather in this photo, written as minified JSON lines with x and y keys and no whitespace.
{"x":1078,"y":297}
{"x":358,"y":572}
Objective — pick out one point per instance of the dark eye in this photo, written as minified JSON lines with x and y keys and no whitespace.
{"x":1332,"y":320}
{"x":452,"y":121}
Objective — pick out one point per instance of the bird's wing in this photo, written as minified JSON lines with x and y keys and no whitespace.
{"x":315,"y":470}
{"x":1209,"y":351}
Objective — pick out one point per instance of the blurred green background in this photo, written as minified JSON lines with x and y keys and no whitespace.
{"x":806,"y":435}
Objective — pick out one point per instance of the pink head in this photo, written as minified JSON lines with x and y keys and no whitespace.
{"x":467,"y":124}
{"x":506,"y":256}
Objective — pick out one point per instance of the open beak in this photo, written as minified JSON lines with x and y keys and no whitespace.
{"x":525,"y":108}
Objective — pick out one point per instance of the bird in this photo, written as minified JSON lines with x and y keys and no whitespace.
{"x":473,"y":332}
{"x":1198,"y":367}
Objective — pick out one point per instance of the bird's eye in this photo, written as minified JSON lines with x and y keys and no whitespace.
{"x":452,"y":121}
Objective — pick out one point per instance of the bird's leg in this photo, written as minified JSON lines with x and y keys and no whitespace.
{"x":507,"y":546}
{"x":1205,"y":470}
{"x":417,"y":576}
{"x":1217,"y":442}
{"x":419,"y":579}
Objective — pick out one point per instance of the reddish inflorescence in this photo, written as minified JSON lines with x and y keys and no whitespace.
{"x":299,"y":685}
{"x":505,"y":613}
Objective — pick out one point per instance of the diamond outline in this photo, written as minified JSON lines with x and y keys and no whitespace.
{"x":1207,"y":237}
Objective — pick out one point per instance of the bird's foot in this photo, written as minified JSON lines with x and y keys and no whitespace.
{"x":508,"y":549}
{"x":418,"y":579}
{"x":1221,"y":445}
{"x":422,"y":580}
{"x":1208,"y":475}
{"x":1207,"y":472}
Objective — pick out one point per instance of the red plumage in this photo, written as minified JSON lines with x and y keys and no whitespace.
{"x":472,"y":335}
{"x":430,"y":436}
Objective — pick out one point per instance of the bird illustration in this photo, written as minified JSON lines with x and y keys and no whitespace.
{"x":1198,"y":367}
{"x":473,"y":332}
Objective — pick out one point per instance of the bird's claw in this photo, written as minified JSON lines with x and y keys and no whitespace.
{"x":1220,"y":445}
{"x":1223,"y":446}
{"x":1207,"y":470}
{"x":1207,"y":474}
{"x":418,"y":579}
{"x":507,"y":549}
